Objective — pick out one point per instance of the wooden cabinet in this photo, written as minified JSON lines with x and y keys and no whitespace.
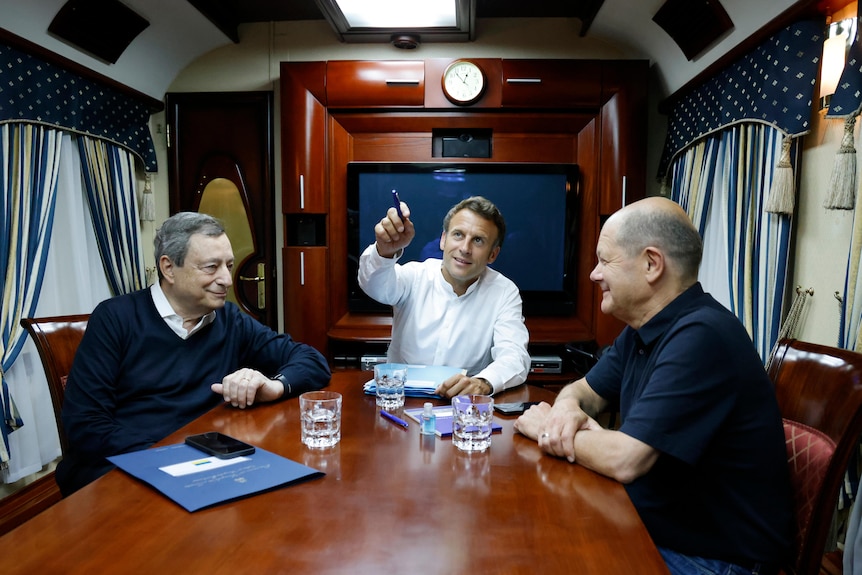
{"x":563,"y":84}
{"x":303,"y":137}
{"x":589,"y":112}
{"x":306,"y":316}
{"x":623,"y":135}
{"x":376,"y":84}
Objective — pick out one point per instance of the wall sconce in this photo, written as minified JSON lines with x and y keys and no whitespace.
{"x":838,"y":38}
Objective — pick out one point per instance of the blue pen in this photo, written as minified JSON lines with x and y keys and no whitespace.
{"x":397,"y":202}
{"x":393,"y":418}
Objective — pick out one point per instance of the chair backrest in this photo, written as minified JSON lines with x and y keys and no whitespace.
{"x":57,"y":340}
{"x":819,"y":392}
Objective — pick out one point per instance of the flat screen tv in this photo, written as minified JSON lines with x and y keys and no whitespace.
{"x":538,"y":201}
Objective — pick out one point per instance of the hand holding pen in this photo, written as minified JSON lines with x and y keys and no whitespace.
{"x":394,"y":232}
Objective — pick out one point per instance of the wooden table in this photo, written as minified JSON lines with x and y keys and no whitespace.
{"x":392,"y":501}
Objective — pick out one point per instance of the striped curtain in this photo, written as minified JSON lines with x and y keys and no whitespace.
{"x":851,"y":318}
{"x":29,"y":158}
{"x":109,"y":178}
{"x":722,"y":181}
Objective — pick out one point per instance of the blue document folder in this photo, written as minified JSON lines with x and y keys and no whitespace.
{"x":195,"y":480}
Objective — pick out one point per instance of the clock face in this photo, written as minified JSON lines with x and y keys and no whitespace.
{"x":463,"y":82}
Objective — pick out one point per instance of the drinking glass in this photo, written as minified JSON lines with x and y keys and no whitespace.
{"x":320,"y":414}
{"x":389,"y":379}
{"x":472,"y":422}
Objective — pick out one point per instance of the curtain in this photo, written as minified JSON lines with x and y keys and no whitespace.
{"x":29,"y":158}
{"x":722,"y":182}
{"x":74,"y":282}
{"x":109,"y":178}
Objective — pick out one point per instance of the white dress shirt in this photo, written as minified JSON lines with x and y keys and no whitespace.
{"x":174,"y":321}
{"x":481,"y":331}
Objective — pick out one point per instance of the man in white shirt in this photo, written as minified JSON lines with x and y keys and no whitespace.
{"x":455,"y":311}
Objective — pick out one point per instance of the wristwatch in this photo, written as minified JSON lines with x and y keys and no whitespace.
{"x":280,"y":377}
{"x":488,"y":383}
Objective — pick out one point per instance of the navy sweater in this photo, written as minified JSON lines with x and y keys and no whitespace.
{"x":134,"y":381}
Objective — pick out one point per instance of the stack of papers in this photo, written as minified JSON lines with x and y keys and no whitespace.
{"x":422,"y":380}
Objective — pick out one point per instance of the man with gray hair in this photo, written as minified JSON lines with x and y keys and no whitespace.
{"x":153,"y":360}
{"x":701,"y":447}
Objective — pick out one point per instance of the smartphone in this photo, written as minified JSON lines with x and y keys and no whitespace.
{"x":218,"y":444}
{"x":514,"y":408}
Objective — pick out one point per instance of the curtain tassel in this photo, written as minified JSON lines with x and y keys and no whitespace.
{"x":782,"y":192}
{"x":842,"y":183}
{"x":148,"y":204}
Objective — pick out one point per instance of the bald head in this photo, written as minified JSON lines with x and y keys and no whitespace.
{"x":663,"y":224}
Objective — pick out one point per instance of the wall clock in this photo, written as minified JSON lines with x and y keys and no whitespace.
{"x":463,"y":82}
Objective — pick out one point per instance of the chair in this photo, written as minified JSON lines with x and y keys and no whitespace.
{"x":57,"y":339}
{"x":819,"y":392}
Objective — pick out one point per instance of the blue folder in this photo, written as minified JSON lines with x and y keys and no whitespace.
{"x":208,"y":485}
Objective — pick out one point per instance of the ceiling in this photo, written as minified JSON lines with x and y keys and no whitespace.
{"x":181,"y":31}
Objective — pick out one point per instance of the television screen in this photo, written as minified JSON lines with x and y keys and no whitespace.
{"x":538,"y":202}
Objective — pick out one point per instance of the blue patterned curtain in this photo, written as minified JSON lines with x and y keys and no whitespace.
{"x":773,"y":84}
{"x":29,"y":156}
{"x":109,"y":178}
{"x":35,"y":91}
{"x":722,"y":182}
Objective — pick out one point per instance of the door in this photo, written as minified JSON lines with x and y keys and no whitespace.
{"x":220,"y":163}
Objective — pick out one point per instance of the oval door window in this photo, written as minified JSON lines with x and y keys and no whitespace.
{"x":222,"y":199}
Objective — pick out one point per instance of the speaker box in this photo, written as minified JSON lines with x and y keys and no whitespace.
{"x":474,"y":143}
{"x":104,"y":28}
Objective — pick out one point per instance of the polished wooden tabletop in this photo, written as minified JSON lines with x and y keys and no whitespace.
{"x":392,"y":501}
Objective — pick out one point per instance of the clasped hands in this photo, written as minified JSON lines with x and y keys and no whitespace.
{"x":245,"y":386}
{"x":554,"y":428}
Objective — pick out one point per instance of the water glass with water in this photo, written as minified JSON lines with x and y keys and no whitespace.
{"x":320,"y":414}
{"x":389,"y":379}
{"x":472,"y":417}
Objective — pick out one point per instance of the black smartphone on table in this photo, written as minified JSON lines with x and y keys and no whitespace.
{"x":220,"y":445}
{"x":514,"y":408}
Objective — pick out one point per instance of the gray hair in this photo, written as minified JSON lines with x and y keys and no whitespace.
{"x":172,"y":238}
{"x":668,"y":230}
{"x":484,"y":208}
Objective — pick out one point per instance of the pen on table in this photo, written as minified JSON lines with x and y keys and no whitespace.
{"x":393,"y":418}
{"x":396,"y":201}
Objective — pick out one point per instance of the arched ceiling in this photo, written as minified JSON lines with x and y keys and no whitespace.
{"x":178,"y":32}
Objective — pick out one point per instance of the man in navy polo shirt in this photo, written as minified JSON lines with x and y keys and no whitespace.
{"x":701,"y":446}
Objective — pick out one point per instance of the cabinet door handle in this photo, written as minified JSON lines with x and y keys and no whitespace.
{"x":401,"y":82}
{"x":301,"y":192}
{"x":624,"y":190}
{"x":523,"y":80}
{"x":302,"y":268}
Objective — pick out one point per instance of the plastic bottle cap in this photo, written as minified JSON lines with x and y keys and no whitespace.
{"x":428,"y":408}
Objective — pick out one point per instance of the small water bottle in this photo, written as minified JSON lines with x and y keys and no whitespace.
{"x":429,"y":420}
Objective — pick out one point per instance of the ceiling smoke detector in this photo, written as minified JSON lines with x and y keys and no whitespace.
{"x":405,"y":41}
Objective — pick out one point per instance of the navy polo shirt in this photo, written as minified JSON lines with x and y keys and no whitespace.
{"x":691,"y":385}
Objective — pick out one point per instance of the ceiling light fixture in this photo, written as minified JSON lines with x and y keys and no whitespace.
{"x":386,"y":20}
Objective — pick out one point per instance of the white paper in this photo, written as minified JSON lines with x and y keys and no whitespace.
{"x":199,"y":465}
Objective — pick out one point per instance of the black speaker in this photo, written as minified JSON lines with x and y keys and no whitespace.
{"x":104,"y":28}
{"x":305,"y":229}
{"x":471,"y":143}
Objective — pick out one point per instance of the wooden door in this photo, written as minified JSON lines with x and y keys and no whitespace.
{"x":220,"y":162}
